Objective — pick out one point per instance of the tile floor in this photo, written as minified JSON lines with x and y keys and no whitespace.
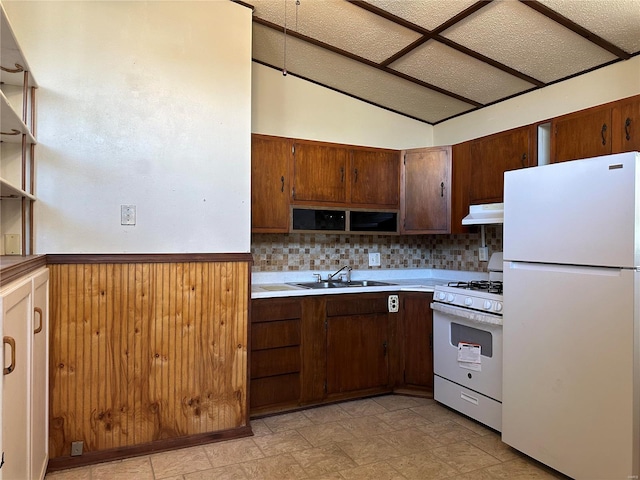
{"x":391,"y":437}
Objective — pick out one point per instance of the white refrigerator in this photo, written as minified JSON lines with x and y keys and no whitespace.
{"x":571,"y":344}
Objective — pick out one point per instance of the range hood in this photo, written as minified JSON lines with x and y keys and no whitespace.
{"x":487,"y":214}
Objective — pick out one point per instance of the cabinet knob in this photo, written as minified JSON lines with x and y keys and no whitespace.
{"x":603,"y":134}
{"x":282,"y":182}
{"x":12,"y":343}
{"x":523,"y":160}
{"x":356,"y":175}
{"x":442,"y":189}
{"x":627,"y":128}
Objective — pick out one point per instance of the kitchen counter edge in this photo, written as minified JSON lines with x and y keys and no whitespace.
{"x":277,"y":284}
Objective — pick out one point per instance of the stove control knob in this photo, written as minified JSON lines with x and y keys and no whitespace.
{"x":498,"y":306}
{"x":487,"y":305}
{"x":468,"y":301}
{"x":442,"y":295}
{"x":450,"y":297}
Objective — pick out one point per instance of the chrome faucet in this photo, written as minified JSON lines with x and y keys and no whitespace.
{"x":348,"y":273}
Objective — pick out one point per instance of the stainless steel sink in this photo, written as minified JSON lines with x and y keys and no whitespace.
{"x":353,"y":283}
{"x":366,"y":283}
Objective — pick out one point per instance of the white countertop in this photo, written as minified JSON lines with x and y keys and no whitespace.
{"x":276,"y":284}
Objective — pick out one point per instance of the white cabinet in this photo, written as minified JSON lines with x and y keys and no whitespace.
{"x":17,"y":147}
{"x":25,"y":395}
{"x":40,"y":376}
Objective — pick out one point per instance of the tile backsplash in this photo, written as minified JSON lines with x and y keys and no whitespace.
{"x":317,"y":251}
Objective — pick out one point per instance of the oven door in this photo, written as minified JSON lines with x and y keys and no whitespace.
{"x":452,"y":326}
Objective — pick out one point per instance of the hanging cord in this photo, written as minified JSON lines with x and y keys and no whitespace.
{"x":284,"y":54}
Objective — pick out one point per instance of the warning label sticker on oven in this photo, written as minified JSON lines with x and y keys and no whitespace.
{"x":469,"y":356}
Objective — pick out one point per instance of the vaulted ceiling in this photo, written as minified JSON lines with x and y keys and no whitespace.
{"x":432,"y":60}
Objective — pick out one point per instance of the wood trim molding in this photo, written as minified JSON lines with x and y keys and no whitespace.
{"x":91,"y":458}
{"x":13,"y":268}
{"x":79,"y":258}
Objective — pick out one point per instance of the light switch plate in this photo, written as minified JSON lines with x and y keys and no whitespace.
{"x":374,"y":259}
{"x":12,"y":244}
{"x":483,"y":254}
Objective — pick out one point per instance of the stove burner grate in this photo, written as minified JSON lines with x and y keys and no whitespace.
{"x":489,"y":286}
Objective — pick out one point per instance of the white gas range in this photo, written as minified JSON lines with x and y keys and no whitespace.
{"x":467,"y":346}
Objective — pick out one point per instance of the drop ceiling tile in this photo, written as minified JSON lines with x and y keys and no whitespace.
{"x":427,"y":14}
{"x":354,"y":78}
{"x":617,"y":21}
{"x":341,"y":24}
{"x":459,"y":73}
{"x":527,"y":41}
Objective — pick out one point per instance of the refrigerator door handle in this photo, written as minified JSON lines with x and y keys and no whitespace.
{"x":575,"y":269}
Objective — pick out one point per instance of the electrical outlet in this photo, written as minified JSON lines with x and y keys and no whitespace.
{"x":393,"y":303}
{"x":483,"y":254}
{"x":76,"y":449}
{"x":127,"y":214}
{"x":374,"y":259}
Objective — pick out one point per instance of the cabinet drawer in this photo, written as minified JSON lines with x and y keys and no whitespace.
{"x":277,"y":361}
{"x":274,"y":310}
{"x":283,"y":333}
{"x":275,"y":390}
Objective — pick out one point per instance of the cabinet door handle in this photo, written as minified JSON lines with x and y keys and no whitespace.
{"x":282,"y":184}
{"x":342,"y":174}
{"x":384,"y":346}
{"x":356,"y":173}
{"x":523,"y":160}
{"x":627,"y":128}
{"x":12,"y":343}
{"x":38,"y":310}
{"x":442,"y":189}
{"x":603,"y":133}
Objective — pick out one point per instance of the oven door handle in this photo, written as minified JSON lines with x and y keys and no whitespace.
{"x":467,"y":314}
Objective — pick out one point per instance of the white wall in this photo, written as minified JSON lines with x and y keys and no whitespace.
{"x":145,"y":103}
{"x":607,"y":84}
{"x":289,"y":106}
{"x":292,"y":107}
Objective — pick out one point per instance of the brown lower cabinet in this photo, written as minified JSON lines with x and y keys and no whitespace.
{"x":416,"y":332}
{"x":357,"y":344}
{"x":276,"y":360}
{"x":323,"y":348}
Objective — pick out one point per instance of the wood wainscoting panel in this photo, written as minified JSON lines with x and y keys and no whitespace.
{"x":145,"y":352}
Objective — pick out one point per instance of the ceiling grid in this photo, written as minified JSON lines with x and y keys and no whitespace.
{"x":432,"y":60}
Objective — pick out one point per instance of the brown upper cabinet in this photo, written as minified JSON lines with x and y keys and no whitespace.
{"x":375,"y":178}
{"x":610,"y":128}
{"x":625,"y":123}
{"x":344,"y":175}
{"x":319,"y":173}
{"x":582,"y":134}
{"x":493,"y":155}
{"x":426,"y":190}
{"x":270,"y":183}
{"x":460,"y":181}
